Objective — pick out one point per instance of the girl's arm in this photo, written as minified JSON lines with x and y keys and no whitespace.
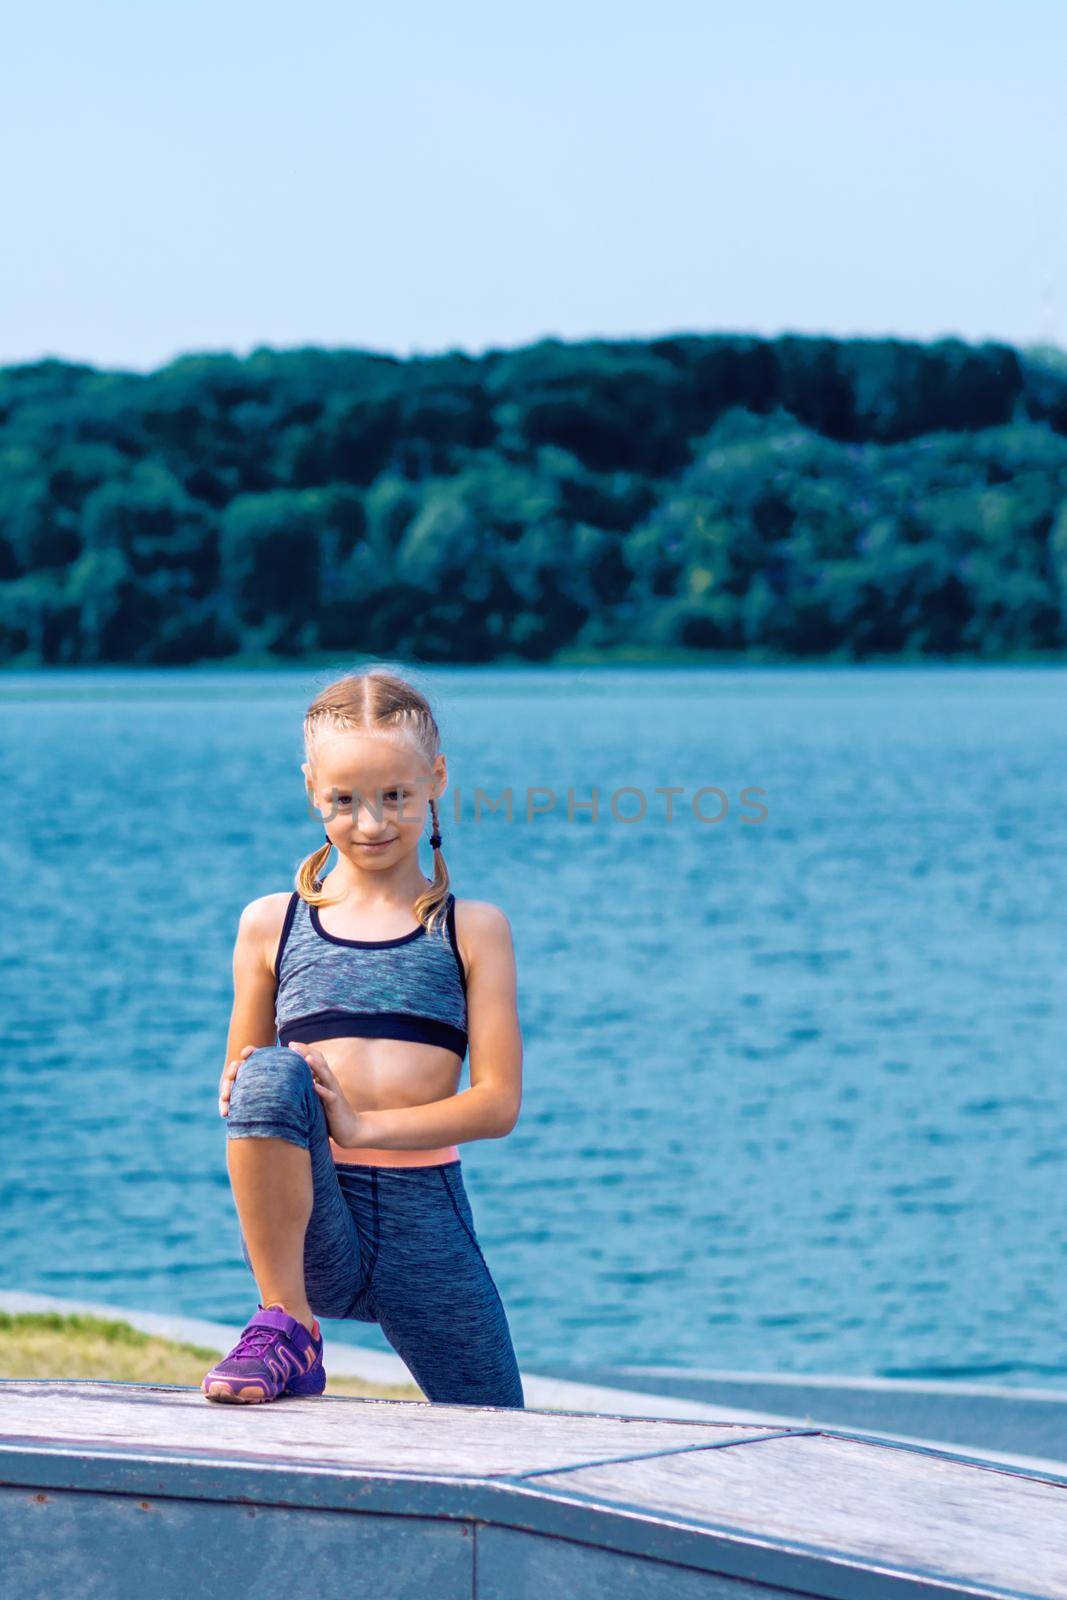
{"x":489,"y":1109}
{"x":252,"y":1017}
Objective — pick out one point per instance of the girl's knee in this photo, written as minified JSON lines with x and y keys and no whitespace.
{"x":271,"y":1079}
{"x":275,"y":1062}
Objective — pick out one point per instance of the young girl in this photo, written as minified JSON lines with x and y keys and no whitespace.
{"x":355,"y":998}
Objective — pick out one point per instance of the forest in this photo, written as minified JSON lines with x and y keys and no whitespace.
{"x":771,"y":499}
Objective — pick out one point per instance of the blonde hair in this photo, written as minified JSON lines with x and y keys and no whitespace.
{"x":375,"y":700}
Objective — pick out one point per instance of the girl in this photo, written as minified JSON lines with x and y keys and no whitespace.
{"x":347,"y":1040}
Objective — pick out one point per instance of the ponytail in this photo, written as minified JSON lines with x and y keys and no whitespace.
{"x":308,"y":878}
{"x":433,"y":901}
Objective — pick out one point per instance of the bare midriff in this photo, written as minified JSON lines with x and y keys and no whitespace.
{"x":387,"y":1074}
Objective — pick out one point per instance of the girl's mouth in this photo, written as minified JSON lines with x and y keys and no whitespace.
{"x":378,"y":844}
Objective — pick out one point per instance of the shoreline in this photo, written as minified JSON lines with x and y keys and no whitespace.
{"x":564,"y":661}
{"x":1017,"y":1428}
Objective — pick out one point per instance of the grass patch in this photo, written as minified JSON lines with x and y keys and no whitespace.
{"x":50,"y":1344}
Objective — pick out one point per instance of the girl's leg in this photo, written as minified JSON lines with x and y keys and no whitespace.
{"x":271,"y":1183}
{"x":434,"y":1295}
{"x":298,"y":1235}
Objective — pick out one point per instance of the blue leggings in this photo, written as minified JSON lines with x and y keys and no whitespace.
{"x":392,"y":1245}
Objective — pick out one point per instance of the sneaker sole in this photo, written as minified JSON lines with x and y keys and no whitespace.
{"x":303,"y":1387}
{"x":247,"y":1395}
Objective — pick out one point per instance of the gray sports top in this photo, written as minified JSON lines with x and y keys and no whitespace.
{"x":413,"y":987}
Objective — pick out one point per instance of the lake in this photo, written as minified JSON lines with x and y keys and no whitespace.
{"x":794,"y":1079}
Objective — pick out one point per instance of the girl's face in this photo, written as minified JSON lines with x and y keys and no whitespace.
{"x":373,"y":793}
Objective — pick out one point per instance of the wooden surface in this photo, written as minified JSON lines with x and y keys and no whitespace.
{"x":797,"y":1510}
{"x":359,"y":1435}
{"x":900,"y":1507}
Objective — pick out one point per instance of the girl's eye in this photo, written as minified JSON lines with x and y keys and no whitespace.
{"x":389,"y":794}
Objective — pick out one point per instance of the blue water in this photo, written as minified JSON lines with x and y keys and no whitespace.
{"x":794,"y":1090}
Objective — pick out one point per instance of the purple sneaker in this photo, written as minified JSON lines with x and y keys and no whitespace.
{"x":274,"y":1356}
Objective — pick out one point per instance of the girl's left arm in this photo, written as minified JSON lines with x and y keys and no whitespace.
{"x":489,"y":1109}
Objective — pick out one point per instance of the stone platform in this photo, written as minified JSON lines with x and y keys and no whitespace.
{"x":150,"y":1492}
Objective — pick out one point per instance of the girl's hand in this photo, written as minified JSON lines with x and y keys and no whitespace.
{"x":342,"y":1121}
{"x":226,"y":1081}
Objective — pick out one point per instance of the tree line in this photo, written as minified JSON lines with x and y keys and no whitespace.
{"x":779,"y":498}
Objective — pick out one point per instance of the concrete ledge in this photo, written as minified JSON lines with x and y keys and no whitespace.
{"x":994,"y":1426}
{"x":1025,"y":1427}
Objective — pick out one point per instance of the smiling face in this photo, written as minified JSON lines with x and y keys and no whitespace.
{"x":373,"y":792}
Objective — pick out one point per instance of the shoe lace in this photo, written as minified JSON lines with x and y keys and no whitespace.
{"x":255,"y":1340}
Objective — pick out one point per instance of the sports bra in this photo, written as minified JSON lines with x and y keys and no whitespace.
{"x":413,"y":987}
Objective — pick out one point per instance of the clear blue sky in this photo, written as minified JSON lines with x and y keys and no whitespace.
{"x":413,"y":176}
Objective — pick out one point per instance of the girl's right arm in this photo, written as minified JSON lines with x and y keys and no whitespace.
{"x":254,"y":986}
